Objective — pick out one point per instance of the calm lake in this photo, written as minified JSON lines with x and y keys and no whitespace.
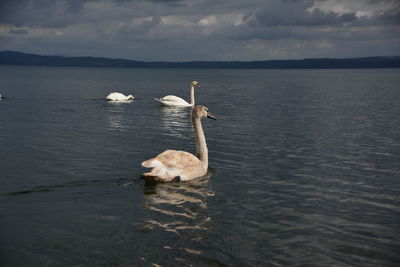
{"x":304,"y":168}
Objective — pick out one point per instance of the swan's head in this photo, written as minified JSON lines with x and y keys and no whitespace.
{"x":129,"y":97}
{"x":195,"y":84}
{"x":200,"y":111}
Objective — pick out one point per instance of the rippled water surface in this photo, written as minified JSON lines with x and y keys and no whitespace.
{"x":304,"y":168}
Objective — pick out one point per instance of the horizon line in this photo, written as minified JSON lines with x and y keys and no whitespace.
{"x":205,"y":61}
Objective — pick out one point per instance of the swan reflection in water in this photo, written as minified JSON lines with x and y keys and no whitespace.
{"x":177,"y":214}
{"x":116,"y":116}
{"x":176,"y":121}
{"x":178,"y":205}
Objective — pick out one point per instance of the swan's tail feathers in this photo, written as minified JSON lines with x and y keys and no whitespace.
{"x":147,"y":164}
{"x":158,"y":99}
{"x":151,"y":163}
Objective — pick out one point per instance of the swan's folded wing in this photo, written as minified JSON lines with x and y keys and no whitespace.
{"x":167,"y":103}
{"x":172,"y":98}
{"x":173,"y":159}
{"x":116,"y":96}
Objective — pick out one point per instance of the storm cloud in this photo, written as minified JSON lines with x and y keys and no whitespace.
{"x":183,"y":30}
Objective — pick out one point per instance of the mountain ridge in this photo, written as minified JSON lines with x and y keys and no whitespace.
{"x":20,"y":58}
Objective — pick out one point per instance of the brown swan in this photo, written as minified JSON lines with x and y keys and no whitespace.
{"x":172,"y":164}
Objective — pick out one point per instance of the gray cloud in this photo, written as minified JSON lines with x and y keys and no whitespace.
{"x":132,"y":30}
{"x":299,"y":17}
{"x":389,"y":17}
{"x":36,"y":13}
{"x":201,"y":29}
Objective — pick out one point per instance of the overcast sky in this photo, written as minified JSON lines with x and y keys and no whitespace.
{"x":184,"y":30}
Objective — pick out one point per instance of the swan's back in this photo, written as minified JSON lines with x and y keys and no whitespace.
{"x":118,"y":97}
{"x":172,"y":164}
{"x":172,"y":159}
{"x":171,"y":100}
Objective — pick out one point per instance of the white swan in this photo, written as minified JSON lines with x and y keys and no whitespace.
{"x":171,"y":100}
{"x":173,"y":164}
{"x":119,"y":97}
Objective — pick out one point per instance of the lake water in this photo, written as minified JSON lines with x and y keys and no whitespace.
{"x":304,"y":168}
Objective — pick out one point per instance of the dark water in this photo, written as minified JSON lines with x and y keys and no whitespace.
{"x":305,"y":168}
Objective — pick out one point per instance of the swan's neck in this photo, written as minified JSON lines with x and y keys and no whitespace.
{"x":201,"y":146}
{"x":192,"y":95}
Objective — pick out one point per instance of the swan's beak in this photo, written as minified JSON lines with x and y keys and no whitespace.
{"x":211,"y":116}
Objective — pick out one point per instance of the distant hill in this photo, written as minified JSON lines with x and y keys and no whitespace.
{"x":18,"y":58}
